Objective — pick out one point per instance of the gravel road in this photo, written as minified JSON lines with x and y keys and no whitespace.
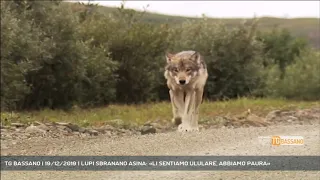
{"x":224,"y":141}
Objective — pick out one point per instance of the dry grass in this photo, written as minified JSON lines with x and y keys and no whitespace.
{"x":140,"y":114}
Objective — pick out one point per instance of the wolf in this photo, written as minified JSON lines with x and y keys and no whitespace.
{"x":186,"y":75}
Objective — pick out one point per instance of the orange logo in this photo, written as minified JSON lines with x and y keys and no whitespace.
{"x":276,"y":140}
{"x":287,"y":140}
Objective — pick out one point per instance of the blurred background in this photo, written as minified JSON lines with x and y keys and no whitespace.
{"x":57,"y":54}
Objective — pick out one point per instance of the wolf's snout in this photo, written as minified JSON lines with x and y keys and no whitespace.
{"x":182,"y":81}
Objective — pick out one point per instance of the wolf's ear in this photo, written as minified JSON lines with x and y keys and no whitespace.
{"x":196,"y":57}
{"x":169,"y":57}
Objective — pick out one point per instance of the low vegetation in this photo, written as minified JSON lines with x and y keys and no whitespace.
{"x":133,"y":115}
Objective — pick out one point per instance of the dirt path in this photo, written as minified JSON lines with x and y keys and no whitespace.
{"x":240,"y":141}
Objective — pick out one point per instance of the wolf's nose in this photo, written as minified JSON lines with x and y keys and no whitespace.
{"x":182,"y":81}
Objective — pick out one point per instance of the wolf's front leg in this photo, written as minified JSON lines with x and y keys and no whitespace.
{"x":188,"y":124}
{"x":177,"y":106}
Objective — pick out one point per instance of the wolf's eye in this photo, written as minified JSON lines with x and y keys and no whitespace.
{"x":175,"y":69}
{"x":188,"y":70}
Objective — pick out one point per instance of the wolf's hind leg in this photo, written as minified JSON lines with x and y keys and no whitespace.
{"x":196,"y":108}
{"x":198,"y":99}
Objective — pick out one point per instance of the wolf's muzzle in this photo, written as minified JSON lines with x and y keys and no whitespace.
{"x":182,"y":82}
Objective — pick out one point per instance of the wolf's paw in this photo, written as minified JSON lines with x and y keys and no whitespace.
{"x":187,"y":128}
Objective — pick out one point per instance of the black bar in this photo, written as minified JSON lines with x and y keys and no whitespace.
{"x":160,"y":163}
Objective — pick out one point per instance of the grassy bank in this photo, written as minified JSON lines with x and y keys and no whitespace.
{"x":140,"y":114}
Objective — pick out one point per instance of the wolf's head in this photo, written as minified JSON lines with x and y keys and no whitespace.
{"x":183,"y":66}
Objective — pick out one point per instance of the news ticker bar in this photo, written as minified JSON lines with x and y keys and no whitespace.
{"x":159,"y":163}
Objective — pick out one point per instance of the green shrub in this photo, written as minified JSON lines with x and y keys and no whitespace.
{"x":281,"y":48}
{"x":302,"y":80}
{"x":139,"y":49}
{"x":19,"y":45}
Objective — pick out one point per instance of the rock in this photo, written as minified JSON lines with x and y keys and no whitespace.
{"x":100,"y":130}
{"x":272,"y":115}
{"x":288,"y":113}
{"x":108,"y":133}
{"x":125,"y":132}
{"x":37,"y":123}
{"x":158,"y":126}
{"x":292,"y":118}
{"x":148,"y":123}
{"x":310,"y":114}
{"x":64,"y":129}
{"x":148,"y":130}
{"x":18,"y":125}
{"x":34,"y":130}
{"x":82,"y":130}
{"x":43,"y":127}
{"x":92,"y":132}
{"x":76,"y":133}
{"x":257,"y":121}
{"x":108,"y":127}
{"x":62,"y":123}
{"x":83,"y":135}
{"x":73,"y":127}
{"x":50,"y":124}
